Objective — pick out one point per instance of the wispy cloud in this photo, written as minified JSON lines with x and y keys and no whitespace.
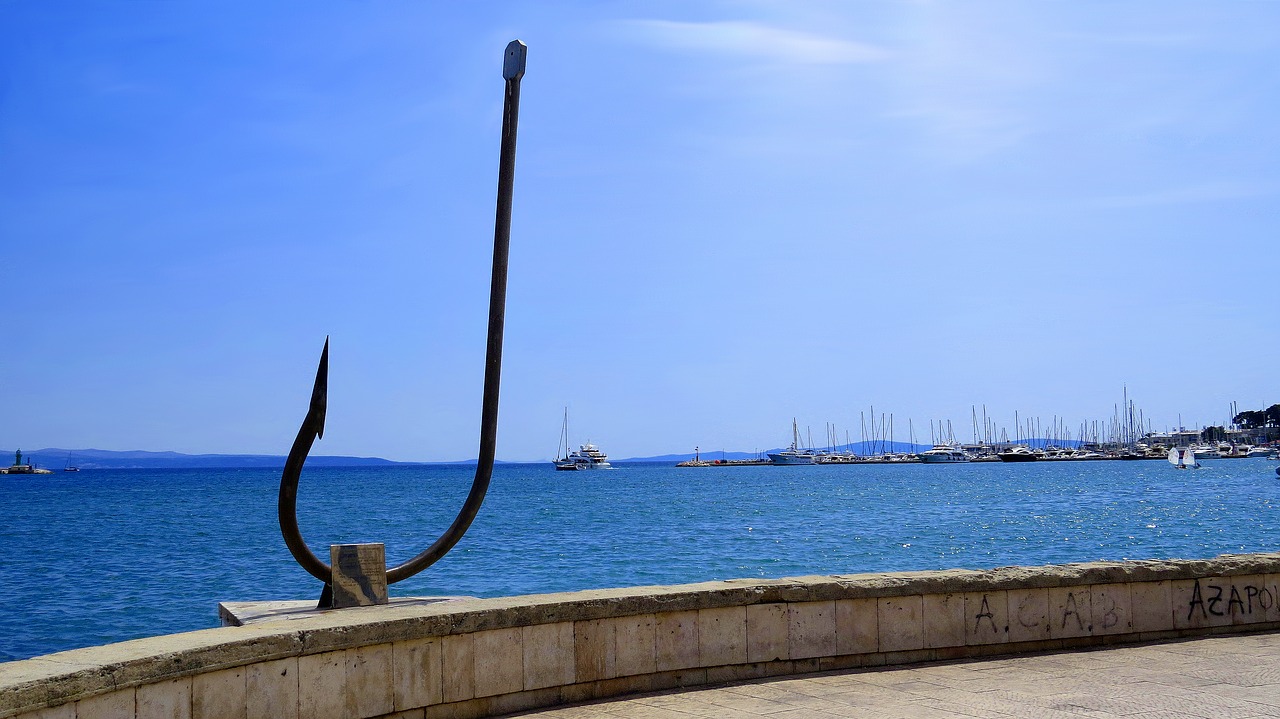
{"x":1212,"y":192}
{"x":753,"y":41}
{"x":1157,"y":40}
{"x":966,"y":78}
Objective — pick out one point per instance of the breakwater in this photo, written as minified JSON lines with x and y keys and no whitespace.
{"x":843,"y":459}
{"x":481,"y":657}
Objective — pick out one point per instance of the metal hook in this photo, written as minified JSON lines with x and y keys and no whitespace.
{"x":313,"y":425}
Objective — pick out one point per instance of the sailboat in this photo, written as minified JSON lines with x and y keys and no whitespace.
{"x":70,"y":467}
{"x":1183,"y":458}
{"x":564,"y":461}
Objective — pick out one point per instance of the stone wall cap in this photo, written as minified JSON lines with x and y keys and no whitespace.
{"x":59,"y":678}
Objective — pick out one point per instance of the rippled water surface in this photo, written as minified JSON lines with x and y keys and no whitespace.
{"x":109,"y":555}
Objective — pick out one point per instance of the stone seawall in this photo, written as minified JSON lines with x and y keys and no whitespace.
{"x":480,"y":657}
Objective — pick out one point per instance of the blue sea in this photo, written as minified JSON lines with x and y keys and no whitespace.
{"x":108,"y":555}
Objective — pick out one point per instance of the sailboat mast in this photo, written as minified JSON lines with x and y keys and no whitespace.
{"x":562,"y":449}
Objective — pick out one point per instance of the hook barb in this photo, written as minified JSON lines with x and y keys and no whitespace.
{"x":287,"y":505}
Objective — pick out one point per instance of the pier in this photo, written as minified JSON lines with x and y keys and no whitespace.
{"x":903,"y":458}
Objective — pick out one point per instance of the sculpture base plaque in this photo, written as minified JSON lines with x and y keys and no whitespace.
{"x":359,"y":575}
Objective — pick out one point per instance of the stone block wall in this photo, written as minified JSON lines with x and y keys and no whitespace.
{"x":482,"y":657}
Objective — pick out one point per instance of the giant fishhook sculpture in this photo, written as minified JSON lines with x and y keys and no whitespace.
{"x":313,"y":425}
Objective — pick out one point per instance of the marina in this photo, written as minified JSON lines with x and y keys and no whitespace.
{"x":954,"y":455}
{"x":1127,"y":435}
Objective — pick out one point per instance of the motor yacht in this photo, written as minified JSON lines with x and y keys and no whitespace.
{"x":1021,"y":453}
{"x":793,"y":455}
{"x":943,"y":454}
{"x":588,"y":456}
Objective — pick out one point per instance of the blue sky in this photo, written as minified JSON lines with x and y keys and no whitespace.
{"x":727,"y":214}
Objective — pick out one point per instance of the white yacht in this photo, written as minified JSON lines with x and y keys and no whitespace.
{"x":588,"y":456}
{"x":943,"y":454}
{"x":1020,"y":453}
{"x":1206,"y":452}
{"x":793,"y":455}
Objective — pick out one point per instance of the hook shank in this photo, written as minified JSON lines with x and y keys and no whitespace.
{"x":513,"y":71}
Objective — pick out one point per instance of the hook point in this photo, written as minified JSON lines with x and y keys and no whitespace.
{"x":320,"y":392}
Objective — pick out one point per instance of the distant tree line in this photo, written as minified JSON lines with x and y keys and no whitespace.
{"x":1263,"y":425}
{"x":1258,"y":418}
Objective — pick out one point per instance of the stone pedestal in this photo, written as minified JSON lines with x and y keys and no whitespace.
{"x":359,"y":575}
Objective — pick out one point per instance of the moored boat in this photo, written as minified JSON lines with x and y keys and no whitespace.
{"x":1021,"y":453}
{"x":1206,"y":452}
{"x":943,"y":454}
{"x":793,"y":455}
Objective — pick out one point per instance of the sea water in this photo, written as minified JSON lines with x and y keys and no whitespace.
{"x":108,"y":555}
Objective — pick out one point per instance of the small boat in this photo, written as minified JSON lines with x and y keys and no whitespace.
{"x":1183,"y":458}
{"x":943,"y":454}
{"x":70,"y":467}
{"x":793,"y":455}
{"x":1021,"y":453}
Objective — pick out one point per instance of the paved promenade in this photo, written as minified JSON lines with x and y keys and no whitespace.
{"x":1234,"y":677}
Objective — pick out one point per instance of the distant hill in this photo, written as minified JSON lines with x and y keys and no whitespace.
{"x":685,"y":457}
{"x":862,"y":449}
{"x":54,"y":458}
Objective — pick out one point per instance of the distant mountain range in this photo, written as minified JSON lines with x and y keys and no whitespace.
{"x":55,"y":459}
